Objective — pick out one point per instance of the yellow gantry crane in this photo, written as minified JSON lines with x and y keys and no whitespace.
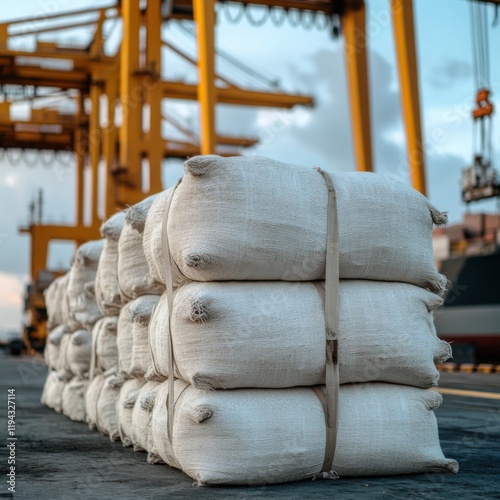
{"x":131,"y":81}
{"x":128,"y":84}
{"x":132,"y":85}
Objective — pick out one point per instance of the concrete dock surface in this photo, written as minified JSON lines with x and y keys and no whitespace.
{"x":60,"y":459}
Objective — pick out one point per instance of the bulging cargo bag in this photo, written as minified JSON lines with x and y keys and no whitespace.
{"x":52,"y":391}
{"x":386,"y":333}
{"x":127,"y":399}
{"x":82,"y":304}
{"x":79,"y":353}
{"x":55,"y":295}
{"x":258,"y":436}
{"x":142,"y":438}
{"x":53,"y":346}
{"x":134,"y":355}
{"x":106,"y":281}
{"x":106,"y":410}
{"x":263,"y":436}
{"x":134,"y":279}
{"x":73,"y":399}
{"x":104,"y":346}
{"x":91,"y":397}
{"x":252,"y":218}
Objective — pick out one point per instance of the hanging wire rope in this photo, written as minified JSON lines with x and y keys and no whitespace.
{"x":257,"y":22}
{"x":240,"y":8}
{"x":30,"y":161}
{"x":278,"y":20}
{"x":295,"y":17}
{"x":47,"y":161}
{"x":12,"y":159}
{"x":482,"y":79}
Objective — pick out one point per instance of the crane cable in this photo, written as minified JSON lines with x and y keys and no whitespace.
{"x":482,"y":76}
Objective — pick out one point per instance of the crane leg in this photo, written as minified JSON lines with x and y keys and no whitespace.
{"x":204,"y":14}
{"x":404,"y":36}
{"x":354,"y":29}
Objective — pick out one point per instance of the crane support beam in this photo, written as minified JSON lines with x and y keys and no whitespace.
{"x":204,"y":15}
{"x":404,"y":35}
{"x":354,"y":29}
{"x":42,"y":235}
{"x":180,"y":90}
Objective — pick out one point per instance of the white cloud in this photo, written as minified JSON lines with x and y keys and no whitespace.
{"x":11,"y":300}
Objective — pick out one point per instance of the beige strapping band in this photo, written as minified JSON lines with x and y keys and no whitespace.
{"x":170,"y":296}
{"x":330,"y":399}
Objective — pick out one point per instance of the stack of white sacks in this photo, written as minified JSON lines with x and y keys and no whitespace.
{"x":247,"y":238}
{"x":72,"y":312}
{"x":105,"y":381}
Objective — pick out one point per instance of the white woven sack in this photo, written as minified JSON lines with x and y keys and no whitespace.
{"x":127,"y":399}
{"x":91,"y":397}
{"x":252,"y":218}
{"x":106,"y":413}
{"x":133,"y":272}
{"x":85,"y":310}
{"x":52,"y":392}
{"x":134,"y":357}
{"x":54,"y":296}
{"x":64,"y":301}
{"x":73,"y":399}
{"x":80,"y":289}
{"x":159,"y":422}
{"x":104,"y":345}
{"x":141,"y":419}
{"x":141,"y":311}
{"x":124,"y":339}
{"x":260,"y":436}
{"x":272,"y":334}
{"x":53,"y":345}
{"x":79,"y":352}
{"x":151,"y":242}
{"x":106,"y":281}
{"x":63,"y":369}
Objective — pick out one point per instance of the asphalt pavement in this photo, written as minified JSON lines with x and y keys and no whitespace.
{"x":60,"y":459}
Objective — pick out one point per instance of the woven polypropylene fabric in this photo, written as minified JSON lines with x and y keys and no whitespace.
{"x":141,"y":417}
{"x":55,"y":295}
{"x":127,"y":399}
{"x":159,"y":424}
{"x":258,"y":436}
{"x":134,"y":356}
{"x":106,"y":409}
{"x":52,"y":391}
{"x":272,"y":334}
{"x":73,"y":399}
{"x":91,"y":396}
{"x":151,"y":242}
{"x":83,"y":309}
{"x":105,"y":347}
{"x":53,"y":346}
{"x":133,"y":272}
{"x":79,"y":353}
{"x":106,"y":282}
{"x":252,"y":218}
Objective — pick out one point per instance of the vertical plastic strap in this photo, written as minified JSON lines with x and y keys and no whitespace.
{"x":332,"y":277}
{"x":170,"y":298}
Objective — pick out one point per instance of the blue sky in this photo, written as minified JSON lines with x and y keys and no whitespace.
{"x":304,"y":61}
